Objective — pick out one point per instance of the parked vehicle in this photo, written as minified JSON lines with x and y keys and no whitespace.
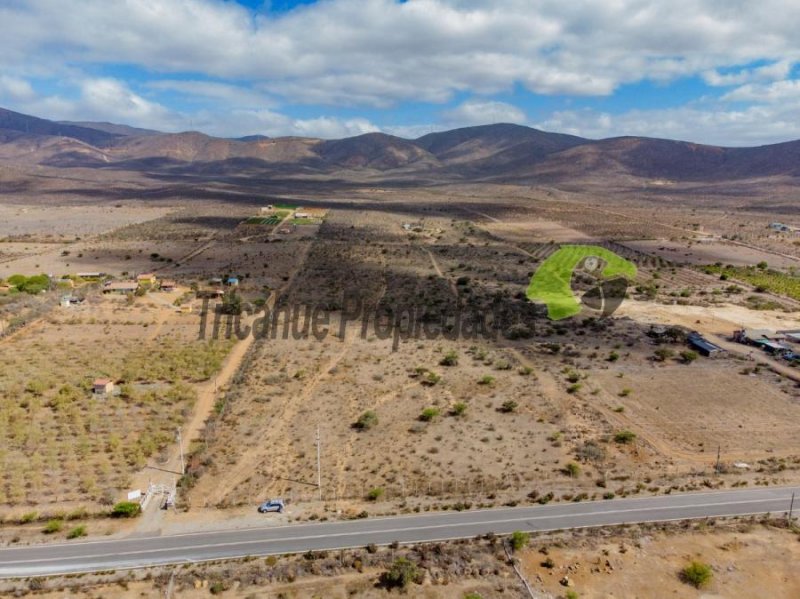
{"x":273,"y":505}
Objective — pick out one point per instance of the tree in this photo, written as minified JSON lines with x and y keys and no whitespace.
{"x":688,"y":356}
{"x":519,"y":540}
{"x":401,"y":574}
{"x":366,"y":421}
{"x":697,"y":574}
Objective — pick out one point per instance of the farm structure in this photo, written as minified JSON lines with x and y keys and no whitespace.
{"x":702,"y":345}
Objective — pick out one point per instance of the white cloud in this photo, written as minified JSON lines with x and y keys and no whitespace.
{"x":779,"y":91}
{"x":16,"y":89}
{"x":771,"y":72}
{"x":719,"y":125}
{"x":383,"y":51}
{"x":478,"y":112}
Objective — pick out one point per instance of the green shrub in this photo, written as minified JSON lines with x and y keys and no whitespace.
{"x":401,"y":574}
{"x":572,"y":469}
{"x":375,"y":494}
{"x":126,"y":509}
{"x":487,"y":380}
{"x":519,"y":540}
{"x":625,"y":437}
{"x":697,"y":574}
{"x":509,"y":406}
{"x":77,"y":532}
{"x":459,"y":409}
{"x":429,"y":414}
{"x":53,"y":526}
{"x":366,"y":421}
{"x":688,"y":356}
{"x":450,"y":359}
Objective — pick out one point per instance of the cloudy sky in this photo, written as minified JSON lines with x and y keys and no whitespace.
{"x":713,"y":71}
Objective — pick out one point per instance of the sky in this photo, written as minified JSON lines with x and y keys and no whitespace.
{"x":722,"y":72}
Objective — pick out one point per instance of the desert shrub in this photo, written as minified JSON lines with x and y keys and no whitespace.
{"x":625,"y":437}
{"x":126,"y":509}
{"x":574,"y":388}
{"x":429,"y":414}
{"x":572,"y":469}
{"x":366,"y":421}
{"x":662,"y":354}
{"x":613,"y":356}
{"x":487,"y":380}
{"x":450,"y":359}
{"x":519,"y":540}
{"x":509,"y":406}
{"x":459,"y":409}
{"x":401,"y":573}
{"x":77,"y":532}
{"x":697,"y":574}
{"x":53,"y":526}
{"x":375,"y":494}
{"x":688,"y":356}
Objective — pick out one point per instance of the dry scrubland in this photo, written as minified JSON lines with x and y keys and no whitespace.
{"x":745,"y":558}
{"x":478,"y":421}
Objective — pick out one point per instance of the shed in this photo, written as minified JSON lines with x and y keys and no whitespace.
{"x":702,"y":345}
{"x":121,"y":287}
{"x":168,"y":285}
{"x":103,"y":386}
{"x":232,"y":281}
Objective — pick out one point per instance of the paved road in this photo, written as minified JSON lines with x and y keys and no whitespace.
{"x":148,"y":551}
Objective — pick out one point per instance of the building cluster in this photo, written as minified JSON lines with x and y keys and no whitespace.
{"x":782,"y":344}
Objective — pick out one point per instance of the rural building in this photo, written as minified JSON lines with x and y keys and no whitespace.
{"x":102,"y":386}
{"x":91,"y":275}
{"x":232,"y":281}
{"x":753,"y":336}
{"x":147,"y":278}
{"x":267,"y":208}
{"x":780,"y":227}
{"x":703,"y":346}
{"x":215,"y":281}
{"x":168,"y":285}
{"x":121,"y":287}
{"x":210,"y":293}
{"x":5,"y":289}
{"x":302,"y":214}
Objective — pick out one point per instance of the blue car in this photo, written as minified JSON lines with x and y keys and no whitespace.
{"x":273,"y":505}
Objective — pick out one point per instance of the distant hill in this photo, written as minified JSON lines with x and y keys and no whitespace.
{"x":114,"y":129}
{"x":31,"y":125}
{"x":501,"y":152}
{"x":374,"y":150}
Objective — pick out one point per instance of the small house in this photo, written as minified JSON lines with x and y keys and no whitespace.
{"x":121,"y":287}
{"x":91,"y":275}
{"x":168,"y":285}
{"x":215,"y":281}
{"x":103,"y":386}
{"x":147,"y":278}
{"x":232,"y":282}
{"x":267,"y":208}
{"x":302,"y":214}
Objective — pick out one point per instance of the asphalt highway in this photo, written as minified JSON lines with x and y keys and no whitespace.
{"x":133,"y":552}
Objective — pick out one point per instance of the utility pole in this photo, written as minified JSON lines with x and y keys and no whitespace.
{"x":180,"y":444}
{"x":319,"y":466}
{"x":716,"y":468}
{"x":791,"y":508}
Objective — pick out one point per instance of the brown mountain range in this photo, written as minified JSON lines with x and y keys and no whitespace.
{"x":501,"y":152}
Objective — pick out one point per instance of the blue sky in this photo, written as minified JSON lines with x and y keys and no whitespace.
{"x":698,"y":70}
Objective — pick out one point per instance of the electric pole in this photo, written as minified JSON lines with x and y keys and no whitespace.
{"x":319,"y":466}
{"x":716,"y":468}
{"x":180,"y":444}
{"x":791,"y":508}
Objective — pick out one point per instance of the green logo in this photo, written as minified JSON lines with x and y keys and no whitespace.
{"x":552,"y":281}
